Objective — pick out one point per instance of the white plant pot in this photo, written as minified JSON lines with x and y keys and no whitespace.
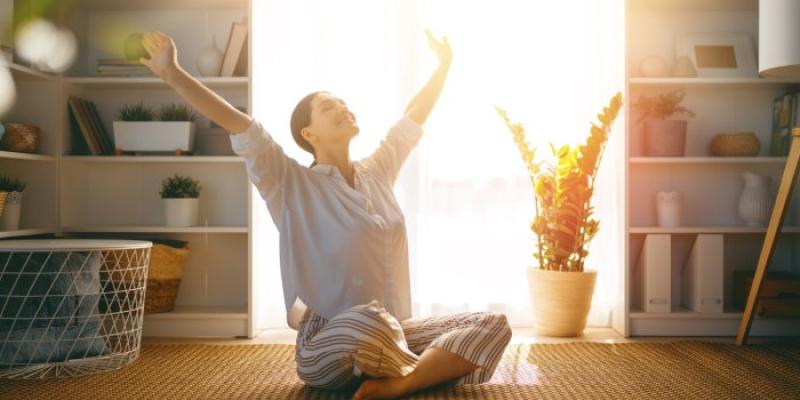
{"x":154,"y":135}
{"x":9,"y":221}
{"x":561,"y":300}
{"x":181,"y":212}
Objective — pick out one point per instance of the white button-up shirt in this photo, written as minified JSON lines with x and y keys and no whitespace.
{"x":339,"y":246}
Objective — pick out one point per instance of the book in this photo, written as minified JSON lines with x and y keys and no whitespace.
{"x":83,"y":123}
{"x":233,"y":49}
{"x":99,"y":131}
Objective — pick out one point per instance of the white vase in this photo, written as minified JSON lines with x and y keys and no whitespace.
{"x":754,"y":204}
{"x":9,"y":221}
{"x":668,"y":209}
{"x":209,"y":61}
{"x":181,"y":212}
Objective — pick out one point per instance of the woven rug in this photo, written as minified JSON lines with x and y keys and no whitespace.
{"x":584,"y":370}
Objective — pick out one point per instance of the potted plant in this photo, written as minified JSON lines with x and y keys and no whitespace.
{"x":10,"y":212}
{"x":561,"y":290}
{"x":663,"y":136}
{"x":135,"y":129}
{"x":180,"y":195}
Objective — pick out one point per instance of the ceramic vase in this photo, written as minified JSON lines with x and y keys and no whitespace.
{"x":209,"y":61}
{"x":181,"y":212}
{"x":754,"y":205}
{"x":668,"y":209}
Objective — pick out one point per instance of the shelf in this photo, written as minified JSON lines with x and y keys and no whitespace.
{"x":12,"y":155}
{"x":707,"y":229}
{"x":197,"y":321}
{"x":720,"y":82}
{"x":26,"y":232}
{"x":21,"y":72}
{"x":102,"y":82}
{"x":159,"y":4}
{"x":694,"y":5}
{"x":679,"y":312}
{"x":156,"y":229}
{"x":707,"y":160}
{"x":155,"y":159}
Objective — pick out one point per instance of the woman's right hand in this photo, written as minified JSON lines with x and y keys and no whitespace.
{"x":163,"y":59}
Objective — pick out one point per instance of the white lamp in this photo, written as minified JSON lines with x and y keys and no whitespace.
{"x":779,"y":38}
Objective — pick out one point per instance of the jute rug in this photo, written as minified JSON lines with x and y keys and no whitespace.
{"x":581,"y":370}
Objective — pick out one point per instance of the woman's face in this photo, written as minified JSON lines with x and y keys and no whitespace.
{"x":331,"y":120}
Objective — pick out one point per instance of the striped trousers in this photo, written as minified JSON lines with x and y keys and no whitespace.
{"x":366,"y":341}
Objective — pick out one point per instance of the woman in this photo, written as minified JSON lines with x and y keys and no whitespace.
{"x":343,"y":248}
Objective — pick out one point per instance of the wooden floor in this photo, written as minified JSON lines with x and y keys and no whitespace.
{"x":520,"y":335}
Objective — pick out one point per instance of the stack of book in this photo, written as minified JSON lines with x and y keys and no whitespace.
{"x":121,"y":67}
{"x":234,"y":62}
{"x":86,"y":119}
{"x":785,"y":116}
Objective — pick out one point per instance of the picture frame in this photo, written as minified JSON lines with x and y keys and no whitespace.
{"x":719,"y":55}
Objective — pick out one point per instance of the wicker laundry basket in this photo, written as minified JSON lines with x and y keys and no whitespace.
{"x":61,"y":315}
{"x":743,"y":144}
{"x":167,"y":261}
{"x":21,"y":138}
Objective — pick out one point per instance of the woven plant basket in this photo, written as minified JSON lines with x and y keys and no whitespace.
{"x":167,"y":261}
{"x":3,"y":196}
{"x":21,"y":138}
{"x":744,"y":144}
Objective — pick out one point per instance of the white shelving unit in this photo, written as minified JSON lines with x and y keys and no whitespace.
{"x":71,"y":194}
{"x":710,"y":185}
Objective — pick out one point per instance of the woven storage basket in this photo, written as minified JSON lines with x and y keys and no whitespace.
{"x":165,"y":271}
{"x":21,"y":138}
{"x":3,"y":196}
{"x":744,"y":144}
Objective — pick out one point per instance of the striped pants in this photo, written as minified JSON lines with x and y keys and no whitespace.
{"x":366,"y":341}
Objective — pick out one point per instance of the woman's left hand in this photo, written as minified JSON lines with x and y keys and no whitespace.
{"x":441,"y":48}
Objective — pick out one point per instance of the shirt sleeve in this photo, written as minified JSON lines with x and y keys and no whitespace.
{"x":266,"y":164}
{"x":394,"y":149}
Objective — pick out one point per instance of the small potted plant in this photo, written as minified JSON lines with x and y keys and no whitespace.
{"x":561,"y":290}
{"x":10,"y":211}
{"x":136,"y":130}
{"x":663,"y":136}
{"x":180,"y":195}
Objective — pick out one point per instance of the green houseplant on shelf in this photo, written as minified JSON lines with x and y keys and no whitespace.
{"x":561,"y":290}
{"x":181,"y":198}
{"x":10,"y":202}
{"x":136,"y":129}
{"x":664,"y":136}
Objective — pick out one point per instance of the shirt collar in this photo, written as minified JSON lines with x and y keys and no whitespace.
{"x":329,"y":169}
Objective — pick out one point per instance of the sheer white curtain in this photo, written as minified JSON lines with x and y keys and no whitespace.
{"x":467,"y":200}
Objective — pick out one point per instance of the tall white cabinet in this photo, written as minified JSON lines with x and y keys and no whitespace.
{"x":710,"y":185}
{"x":72,"y":194}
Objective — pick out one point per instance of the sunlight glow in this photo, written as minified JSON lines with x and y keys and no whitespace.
{"x":465,"y":192}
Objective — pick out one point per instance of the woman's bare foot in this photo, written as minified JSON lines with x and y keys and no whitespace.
{"x":381,"y":388}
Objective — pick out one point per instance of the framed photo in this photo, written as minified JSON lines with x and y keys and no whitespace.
{"x":719,"y":54}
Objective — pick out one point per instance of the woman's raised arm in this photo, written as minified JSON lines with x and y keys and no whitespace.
{"x":164,"y":63}
{"x":422,"y":104}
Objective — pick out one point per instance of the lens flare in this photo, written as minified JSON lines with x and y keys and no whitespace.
{"x":42,"y":43}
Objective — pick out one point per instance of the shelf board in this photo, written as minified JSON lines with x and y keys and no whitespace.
{"x":202,"y":312}
{"x":707,"y":229}
{"x":107,"y":82}
{"x":22,"y":72}
{"x":679,"y":312}
{"x":159,"y":4}
{"x":26,"y":232}
{"x":694,"y":5}
{"x":707,"y":160}
{"x":155,"y":159}
{"x":12,"y":155}
{"x":156,"y":229}
{"x":721,"y":82}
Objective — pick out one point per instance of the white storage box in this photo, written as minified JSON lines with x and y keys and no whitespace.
{"x":154,"y":135}
{"x":654,"y":274}
{"x":701,"y":283}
